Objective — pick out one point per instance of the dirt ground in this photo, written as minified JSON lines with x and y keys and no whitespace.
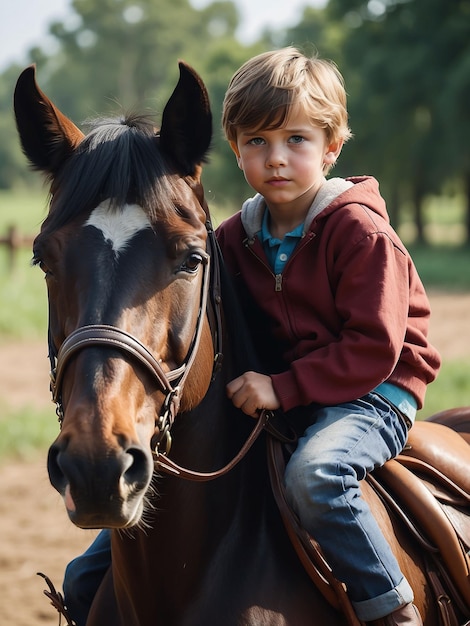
{"x":35,"y":534}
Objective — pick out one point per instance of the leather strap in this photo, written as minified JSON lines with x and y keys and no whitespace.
{"x":306,"y":548}
{"x":419,"y":500}
{"x":102,"y":334}
{"x":114,"y":337}
{"x":165,"y":464}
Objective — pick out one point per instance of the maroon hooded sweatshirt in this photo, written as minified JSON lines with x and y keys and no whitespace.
{"x":349,"y":310}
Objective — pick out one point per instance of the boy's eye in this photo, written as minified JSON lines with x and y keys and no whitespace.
{"x":296,"y":139}
{"x":256,"y":141}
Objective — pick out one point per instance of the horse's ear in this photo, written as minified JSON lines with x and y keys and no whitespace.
{"x":186,"y":130}
{"x":47,"y":136}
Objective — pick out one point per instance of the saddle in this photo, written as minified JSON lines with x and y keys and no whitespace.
{"x":427,"y":488}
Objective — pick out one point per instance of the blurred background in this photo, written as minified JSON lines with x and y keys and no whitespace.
{"x":406,"y":64}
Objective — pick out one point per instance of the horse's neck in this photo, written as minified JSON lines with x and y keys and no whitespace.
{"x":199,"y":527}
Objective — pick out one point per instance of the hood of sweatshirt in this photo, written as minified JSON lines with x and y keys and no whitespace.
{"x":332,"y":195}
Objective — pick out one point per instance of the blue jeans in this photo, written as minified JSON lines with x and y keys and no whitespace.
{"x":322,"y":483}
{"x":83,"y":576}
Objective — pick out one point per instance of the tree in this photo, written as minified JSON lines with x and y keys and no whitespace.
{"x":224,"y":183}
{"x":398,"y":59}
{"x":406,"y":66}
{"x":117,"y":55}
{"x":123,"y":52}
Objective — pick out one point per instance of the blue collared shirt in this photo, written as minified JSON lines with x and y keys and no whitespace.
{"x":403,"y":400}
{"x":277,"y":250}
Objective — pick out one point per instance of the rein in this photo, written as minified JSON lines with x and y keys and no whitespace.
{"x":168,"y":466}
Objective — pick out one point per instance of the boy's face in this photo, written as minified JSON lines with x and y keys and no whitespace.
{"x":285,"y":165}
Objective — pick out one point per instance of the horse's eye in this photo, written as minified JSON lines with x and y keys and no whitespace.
{"x":42,"y":266}
{"x":193,"y":261}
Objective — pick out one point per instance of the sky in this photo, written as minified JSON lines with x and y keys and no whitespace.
{"x":24,"y":23}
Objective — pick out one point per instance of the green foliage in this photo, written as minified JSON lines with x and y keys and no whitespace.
{"x":13,"y":166}
{"x":398,"y":58}
{"x":11,"y":159}
{"x":24,"y":208}
{"x":138,"y":46}
{"x":223,"y":181}
{"x":443,"y":267}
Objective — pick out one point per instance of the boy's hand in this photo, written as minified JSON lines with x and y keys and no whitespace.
{"x":252,"y":392}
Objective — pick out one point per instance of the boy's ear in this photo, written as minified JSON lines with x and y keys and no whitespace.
{"x":332,"y":152}
{"x":233,"y":145}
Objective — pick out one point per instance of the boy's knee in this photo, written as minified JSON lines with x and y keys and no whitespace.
{"x":312,"y":486}
{"x":302,"y":480}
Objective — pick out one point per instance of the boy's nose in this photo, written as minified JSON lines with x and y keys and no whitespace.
{"x":275,"y":158}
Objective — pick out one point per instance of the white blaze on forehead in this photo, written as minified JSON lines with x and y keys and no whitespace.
{"x":118,"y":226}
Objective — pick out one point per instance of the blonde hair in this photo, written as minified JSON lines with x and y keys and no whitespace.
{"x":265,"y":88}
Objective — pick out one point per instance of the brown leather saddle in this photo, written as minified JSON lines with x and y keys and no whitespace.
{"x":428,"y":488}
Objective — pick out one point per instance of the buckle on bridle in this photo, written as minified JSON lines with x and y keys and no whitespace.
{"x":162,"y":441}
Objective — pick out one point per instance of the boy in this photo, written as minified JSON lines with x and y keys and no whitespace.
{"x":338,"y":314}
{"x":337,"y":307}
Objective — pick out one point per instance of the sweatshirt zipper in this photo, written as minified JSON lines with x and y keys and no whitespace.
{"x":277,"y":277}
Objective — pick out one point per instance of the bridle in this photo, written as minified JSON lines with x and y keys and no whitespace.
{"x":170,"y":383}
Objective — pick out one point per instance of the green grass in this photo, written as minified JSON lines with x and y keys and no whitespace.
{"x":451,"y":388}
{"x":23,"y":208}
{"x":26,"y":433}
{"x":23,"y":312}
{"x":443,"y":267}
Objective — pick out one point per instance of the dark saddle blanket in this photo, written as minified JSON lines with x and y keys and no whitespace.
{"x":428,"y":488}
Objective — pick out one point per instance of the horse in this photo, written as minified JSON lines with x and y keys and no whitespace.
{"x":144,"y":334}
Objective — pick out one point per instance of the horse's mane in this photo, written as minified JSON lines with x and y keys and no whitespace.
{"x":119,"y":159}
{"x":243,"y":353}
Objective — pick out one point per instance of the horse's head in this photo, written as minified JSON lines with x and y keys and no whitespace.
{"x":123,"y":250}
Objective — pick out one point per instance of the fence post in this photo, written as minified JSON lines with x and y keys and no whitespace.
{"x":14,"y":242}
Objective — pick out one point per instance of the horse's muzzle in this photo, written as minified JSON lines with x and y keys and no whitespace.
{"x":106,"y":491}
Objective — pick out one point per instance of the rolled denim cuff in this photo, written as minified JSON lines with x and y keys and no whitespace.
{"x":383,"y":605}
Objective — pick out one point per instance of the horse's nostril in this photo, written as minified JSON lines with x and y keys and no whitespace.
{"x":139,"y":470}
{"x":56,"y":475}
